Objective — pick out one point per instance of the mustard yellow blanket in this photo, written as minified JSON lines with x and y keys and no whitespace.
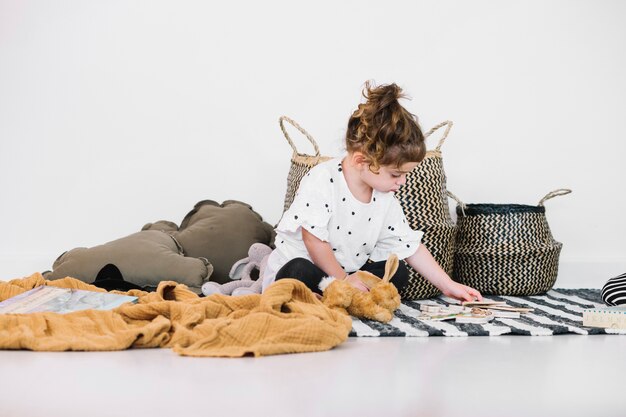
{"x":287,"y":318}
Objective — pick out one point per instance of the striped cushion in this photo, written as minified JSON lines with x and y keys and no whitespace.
{"x":614,"y":291}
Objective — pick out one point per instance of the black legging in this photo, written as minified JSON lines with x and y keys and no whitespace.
{"x":306,"y":271}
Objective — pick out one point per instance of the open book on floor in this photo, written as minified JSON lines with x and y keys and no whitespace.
{"x":62,"y":300}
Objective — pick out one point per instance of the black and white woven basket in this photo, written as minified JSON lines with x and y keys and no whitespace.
{"x":425,"y":203}
{"x":506,"y":249}
{"x":300,"y":163}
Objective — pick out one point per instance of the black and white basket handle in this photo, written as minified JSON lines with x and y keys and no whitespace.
{"x":448,"y":125}
{"x":282,"y":121}
{"x":555,"y":193}
{"x":458,"y":200}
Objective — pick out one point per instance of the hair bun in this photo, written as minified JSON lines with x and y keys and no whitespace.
{"x":382,"y":96}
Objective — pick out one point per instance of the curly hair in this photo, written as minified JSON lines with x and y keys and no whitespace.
{"x":384,"y":131}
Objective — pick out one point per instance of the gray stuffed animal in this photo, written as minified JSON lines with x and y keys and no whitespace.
{"x":241,"y":274}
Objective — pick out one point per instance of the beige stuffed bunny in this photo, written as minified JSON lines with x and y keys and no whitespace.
{"x":377,"y":304}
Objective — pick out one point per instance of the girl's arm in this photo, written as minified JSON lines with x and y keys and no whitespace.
{"x":322,"y":255}
{"x":424,"y":263}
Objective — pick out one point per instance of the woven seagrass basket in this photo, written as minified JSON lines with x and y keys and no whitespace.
{"x":425,"y":203}
{"x":506,"y":249}
{"x":300,"y":163}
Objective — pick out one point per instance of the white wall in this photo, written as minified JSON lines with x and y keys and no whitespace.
{"x":117,"y":113}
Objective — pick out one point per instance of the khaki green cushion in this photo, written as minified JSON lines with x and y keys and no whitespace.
{"x":144,"y":258}
{"x":222,"y":233}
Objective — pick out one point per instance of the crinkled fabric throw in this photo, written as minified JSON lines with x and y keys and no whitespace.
{"x":557,"y":312}
{"x":287,"y":318}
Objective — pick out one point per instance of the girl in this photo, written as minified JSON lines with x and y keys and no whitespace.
{"x":345,"y":212}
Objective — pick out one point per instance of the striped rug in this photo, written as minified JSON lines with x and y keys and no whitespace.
{"x":558,"y":311}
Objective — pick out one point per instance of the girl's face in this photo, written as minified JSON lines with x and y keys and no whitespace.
{"x":389,"y":177}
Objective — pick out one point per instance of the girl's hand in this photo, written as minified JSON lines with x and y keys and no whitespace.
{"x":424,"y":263}
{"x":461,"y":292}
{"x":356,"y":283}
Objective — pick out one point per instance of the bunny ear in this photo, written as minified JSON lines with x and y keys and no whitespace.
{"x":391,"y":266}
{"x":236,"y":271}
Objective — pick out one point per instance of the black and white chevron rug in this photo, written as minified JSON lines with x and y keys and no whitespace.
{"x":559,"y":311}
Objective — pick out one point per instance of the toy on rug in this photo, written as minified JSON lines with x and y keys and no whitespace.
{"x":475,"y":312}
{"x":241,"y":274}
{"x":377,"y":304}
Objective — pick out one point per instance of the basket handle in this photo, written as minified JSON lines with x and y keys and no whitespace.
{"x":458,"y":200}
{"x":448,"y":125}
{"x":282,"y":121}
{"x":555,"y":193}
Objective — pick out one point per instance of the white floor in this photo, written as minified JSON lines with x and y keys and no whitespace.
{"x":436,"y":376}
